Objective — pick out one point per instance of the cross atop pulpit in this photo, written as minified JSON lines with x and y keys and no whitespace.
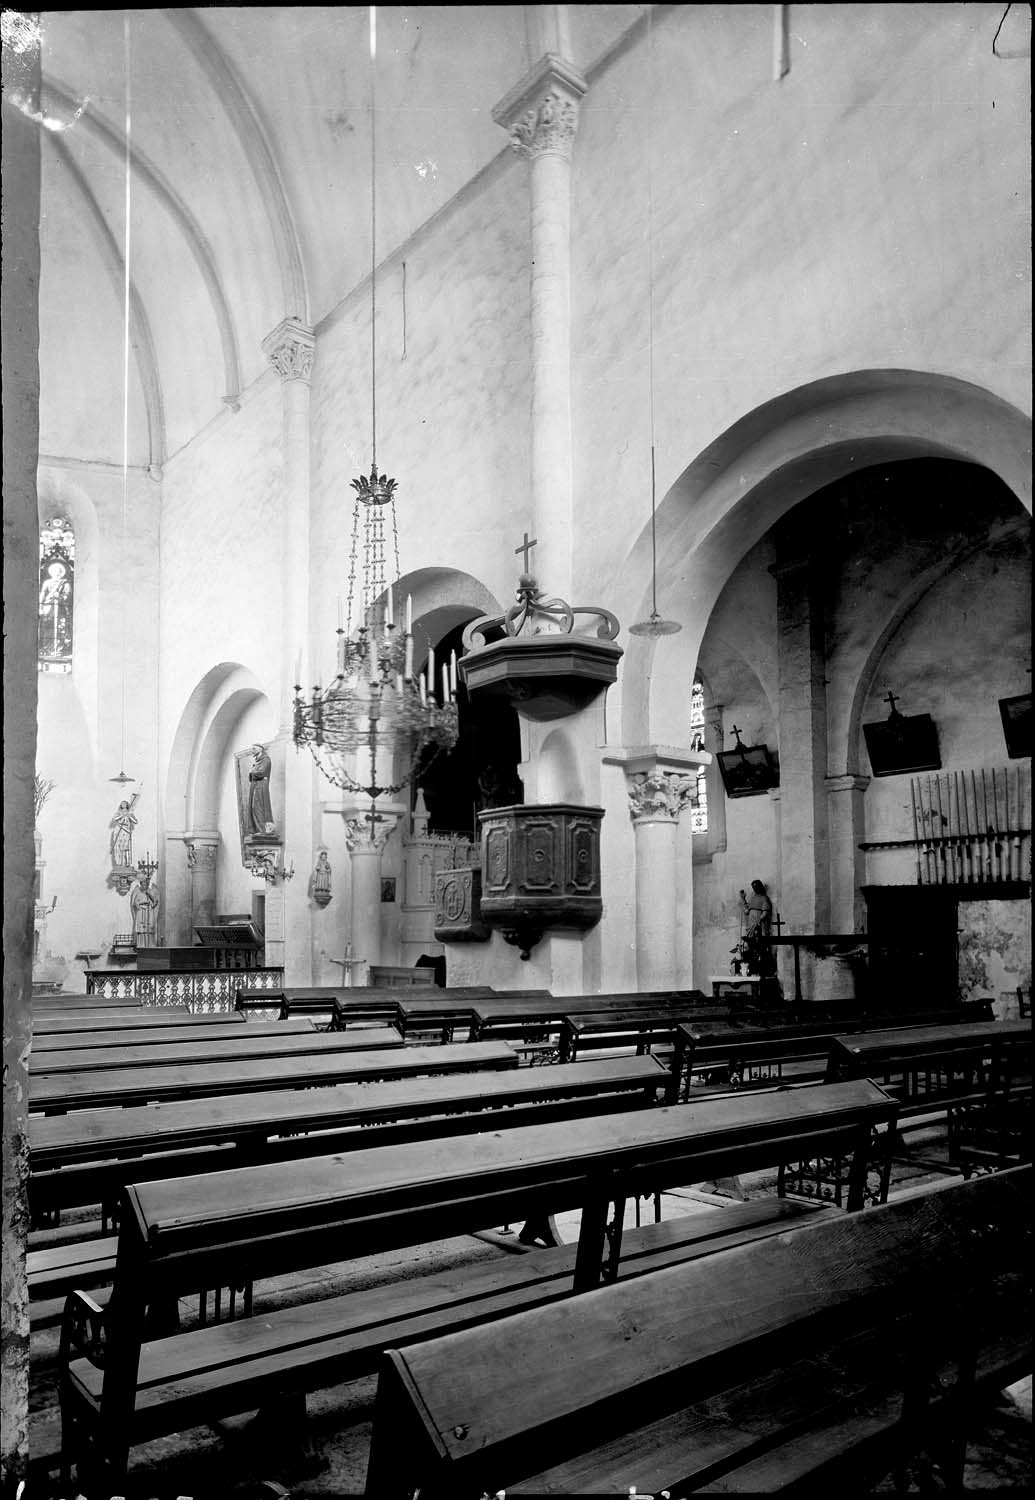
{"x":890,"y":700}
{"x":526,"y":547}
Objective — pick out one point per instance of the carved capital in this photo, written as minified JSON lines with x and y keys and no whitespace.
{"x":290,"y":349}
{"x":364,"y":836}
{"x":542,"y":113}
{"x":660,"y":794}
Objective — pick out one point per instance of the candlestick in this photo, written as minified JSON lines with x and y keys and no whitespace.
{"x":373,"y":657}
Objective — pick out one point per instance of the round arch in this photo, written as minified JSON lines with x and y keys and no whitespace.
{"x":771,"y":459}
{"x":213,"y":709}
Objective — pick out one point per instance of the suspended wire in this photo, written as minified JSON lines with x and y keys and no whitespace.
{"x":125,"y":360}
{"x":373,"y":244}
{"x":650,"y":305}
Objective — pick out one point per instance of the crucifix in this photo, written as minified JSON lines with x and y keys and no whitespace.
{"x":779,"y":924}
{"x":526,"y":547}
{"x":891,"y":700}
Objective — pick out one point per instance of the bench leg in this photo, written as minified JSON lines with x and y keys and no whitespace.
{"x":540,"y":1230}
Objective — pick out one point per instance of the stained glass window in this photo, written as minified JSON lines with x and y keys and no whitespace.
{"x":699,"y":814}
{"x":56,"y":595}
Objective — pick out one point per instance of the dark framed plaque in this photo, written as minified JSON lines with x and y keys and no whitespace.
{"x":903,"y":743}
{"x":1016,"y":716}
{"x":748,"y":770}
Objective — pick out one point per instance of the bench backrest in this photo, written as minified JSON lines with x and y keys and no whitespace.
{"x":129,"y":1020}
{"x":155,"y":1036}
{"x":489,"y":1406}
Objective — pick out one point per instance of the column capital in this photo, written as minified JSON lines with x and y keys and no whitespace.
{"x":659,"y":796}
{"x":361,"y":838}
{"x":290,"y":349}
{"x":847,"y":783}
{"x":542,"y":111}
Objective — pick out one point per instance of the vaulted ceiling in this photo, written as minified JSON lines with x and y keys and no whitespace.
{"x":249,"y":186}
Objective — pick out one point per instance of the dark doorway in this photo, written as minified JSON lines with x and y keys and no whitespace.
{"x":481,"y":769}
{"x":913,"y":951}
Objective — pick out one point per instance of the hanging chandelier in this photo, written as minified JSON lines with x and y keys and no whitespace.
{"x":370,"y":729}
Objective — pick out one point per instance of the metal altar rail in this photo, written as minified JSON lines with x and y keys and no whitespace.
{"x":202,"y":991}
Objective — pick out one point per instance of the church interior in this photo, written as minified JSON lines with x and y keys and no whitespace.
{"x":517,"y":578}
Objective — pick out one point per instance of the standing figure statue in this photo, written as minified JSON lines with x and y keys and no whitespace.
{"x":757,"y":921}
{"x":320,"y":879}
{"x":260,"y":809}
{"x":143,"y":903}
{"x":121,"y":841}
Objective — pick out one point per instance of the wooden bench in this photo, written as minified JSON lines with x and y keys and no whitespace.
{"x":445,"y":1013}
{"x":59,"y":1003}
{"x":59,"y":1041}
{"x":226,"y":1228}
{"x":807,"y":1358}
{"x":978,"y":1075}
{"x":643,"y":1030}
{"x":246,"y":1041}
{"x":539,"y":1023}
{"x":88,"y":1156}
{"x":127,"y":1020}
{"x":57,"y":1093}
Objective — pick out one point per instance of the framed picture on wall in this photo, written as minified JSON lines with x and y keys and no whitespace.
{"x":903,"y":743}
{"x":1016,"y":717}
{"x":748,"y":770}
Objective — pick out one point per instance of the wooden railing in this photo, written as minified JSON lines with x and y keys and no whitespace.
{"x":201,"y":991}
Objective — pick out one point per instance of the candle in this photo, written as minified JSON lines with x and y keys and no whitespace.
{"x":423,"y":691}
{"x":452,"y":675}
{"x":341,"y":652}
{"x":445,"y":683}
{"x":373,"y":657}
{"x":409,"y":615}
{"x":431,"y":667}
{"x":298,"y":669}
{"x":341,"y":614}
{"x":391,"y":617}
{"x":408,"y":669}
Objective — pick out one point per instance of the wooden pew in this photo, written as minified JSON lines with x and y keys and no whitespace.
{"x":59,"y":1041}
{"x":805,"y":1357}
{"x":130,"y":1020}
{"x":273,"y":1041}
{"x":540,"y":1023}
{"x":444,"y":1013}
{"x":61,"y":1003}
{"x":643,"y":1030}
{"x":87,"y":1156}
{"x":225,"y":1228}
{"x":979,"y":1075}
{"x":57,"y":1093}
{"x":337,"y":1007}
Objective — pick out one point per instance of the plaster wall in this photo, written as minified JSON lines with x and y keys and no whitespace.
{"x":103,"y":716}
{"x":888,"y":193}
{"x":222,"y":552}
{"x":453,"y":401}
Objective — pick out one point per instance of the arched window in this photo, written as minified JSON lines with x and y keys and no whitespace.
{"x":56,"y":595}
{"x":699,"y":814}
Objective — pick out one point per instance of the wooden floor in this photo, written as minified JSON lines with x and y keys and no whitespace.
{"x":330,"y":1460}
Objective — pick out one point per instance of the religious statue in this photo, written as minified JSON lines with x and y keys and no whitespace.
{"x":320,"y":879}
{"x":143,"y":903}
{"x":122,"y":826}
{"x":257,"y":804}
{"x":757,"y":925}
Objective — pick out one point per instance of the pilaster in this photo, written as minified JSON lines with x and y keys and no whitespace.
{"x":846,"y":819}
{"x":541,"y":115}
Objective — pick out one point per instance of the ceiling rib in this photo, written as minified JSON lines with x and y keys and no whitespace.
{"x":114,"y":139}
{"x":140,"y":328}
{"x":248,"y":127}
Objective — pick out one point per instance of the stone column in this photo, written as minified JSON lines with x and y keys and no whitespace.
{"x":804,"y":897}
{"x":290,"y":349}
{"x":174,"y":884}
{"x":19,"y":294}
{"x":541,"y":114}
{"x":661,"y":782}
{"x":366,"y":846}
{"x":202,"y":860}
{"x":847,"y":827}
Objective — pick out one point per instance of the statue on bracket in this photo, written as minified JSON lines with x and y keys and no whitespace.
{"x":121,"y":840}
{"x":320,"y":880}
{"x":143,"y":903}
{"x":258,"y":808}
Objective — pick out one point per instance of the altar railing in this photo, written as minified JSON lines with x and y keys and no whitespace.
{"x":203,"y":991}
